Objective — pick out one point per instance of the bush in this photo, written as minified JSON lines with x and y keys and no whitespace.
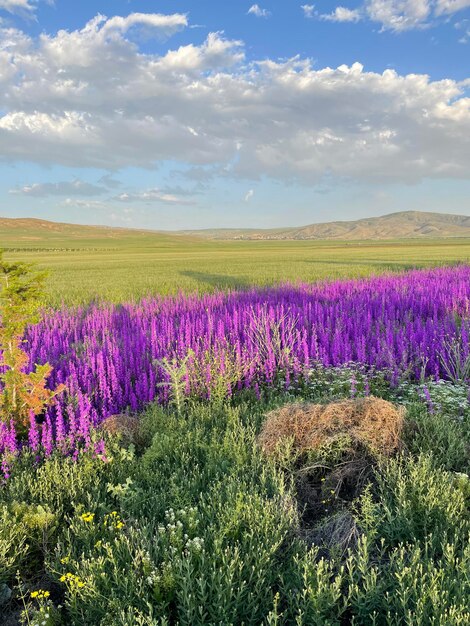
{"x":199,"y":527}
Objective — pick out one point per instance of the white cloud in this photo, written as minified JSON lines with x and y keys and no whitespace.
{"x":464,"y":27}
{"x":451,"y":6}
{"x":65,"y":100}
{"x":250,"y":193}
{"x":23,"y":8}
{"x":65,"y":188}
{"x":342,"y":14}
{"x":167,"y":24}
{"x":16,"y":6}
{"x":255,"y":9}
{"x":308,"y":10}
{"x":398,"y":15}
{"x":150,"y":196}
{"x":75,"y":203}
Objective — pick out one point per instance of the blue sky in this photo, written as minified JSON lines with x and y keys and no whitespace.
{"x":199,"y":114}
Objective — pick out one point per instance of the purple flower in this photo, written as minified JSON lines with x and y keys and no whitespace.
{"x":33,"y":435}
{"x":105,"y":354}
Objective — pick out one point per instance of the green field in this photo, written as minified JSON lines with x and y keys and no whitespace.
{"x":135,"y":264}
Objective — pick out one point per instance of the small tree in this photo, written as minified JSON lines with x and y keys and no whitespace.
{"x":23,"y":393}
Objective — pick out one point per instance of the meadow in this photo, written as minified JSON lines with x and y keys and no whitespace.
{"x":131,"y":266}
{"x":159,"y":488}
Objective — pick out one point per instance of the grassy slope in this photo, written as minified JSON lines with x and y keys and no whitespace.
{"x":120,"y":264}
{"x":404,"y":224}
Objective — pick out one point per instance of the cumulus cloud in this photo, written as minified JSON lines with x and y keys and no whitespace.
{"x":250,"y":193}
{"x":399,"y":15}
{"x":342,"y":14}
{"x":66,"y":188}
{"x":308,"y":9}
{"x":402,"y":15}
{"x":203,"y":106}
{"x":255,"y":9}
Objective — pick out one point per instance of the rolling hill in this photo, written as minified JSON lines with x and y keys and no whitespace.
{"x":30,"y":232}
{"x":403,"y":225}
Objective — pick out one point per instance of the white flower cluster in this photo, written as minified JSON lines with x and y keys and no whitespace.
{"x":441,"y":395}
{"x":348,"y":380}
{"x":177,"y":530}
{"x":196,"y":544}
{"x":45,"y":616}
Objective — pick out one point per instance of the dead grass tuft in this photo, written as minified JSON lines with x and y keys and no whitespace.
{"x":337,"y":532}
{"x":126,"y":427}
{"x":333,"y":449}
{"x":370,"y":422}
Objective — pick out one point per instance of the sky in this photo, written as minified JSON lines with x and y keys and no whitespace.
{"x":203,"y":113}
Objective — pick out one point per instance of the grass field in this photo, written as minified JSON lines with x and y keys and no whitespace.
{"x":135,"y":264}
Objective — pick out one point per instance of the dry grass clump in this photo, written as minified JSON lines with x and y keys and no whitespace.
{"x":333,"y":449}
{"x":371,"y":422}
{"x":125,"y":426}
{"x":337,"y":532}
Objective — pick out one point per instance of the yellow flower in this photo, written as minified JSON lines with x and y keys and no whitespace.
{"x":88,"y":517}
{"x":40,"y":594}
{"x":112,"y":520}
{"x":73,"y":580}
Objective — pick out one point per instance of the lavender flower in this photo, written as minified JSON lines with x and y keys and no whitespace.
{"x":106,"y":354}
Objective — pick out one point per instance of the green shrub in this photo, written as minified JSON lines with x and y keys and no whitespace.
{"x":198,"y":527}
{"x":445,"y":440}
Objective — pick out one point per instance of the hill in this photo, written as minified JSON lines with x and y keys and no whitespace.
{"x":403,"y":225}
{"x":31,"y":232}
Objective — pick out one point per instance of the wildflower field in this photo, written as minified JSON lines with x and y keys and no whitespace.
{"x":145,"y":493}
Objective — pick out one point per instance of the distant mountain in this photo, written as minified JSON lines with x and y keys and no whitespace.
{"x":403,"y":225}
{"x":31,"y":232}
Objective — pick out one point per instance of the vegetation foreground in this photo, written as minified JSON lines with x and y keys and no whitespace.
{"x":192,"y":524}
{"x":298,"y":467}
